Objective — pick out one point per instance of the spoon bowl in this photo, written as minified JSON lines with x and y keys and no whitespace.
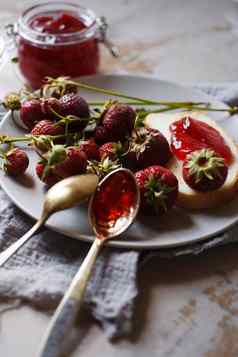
{"x":114,"y":204}
{"x":112,"y":209}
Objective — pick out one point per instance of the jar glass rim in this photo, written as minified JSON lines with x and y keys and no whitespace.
{"x":87,"y":15}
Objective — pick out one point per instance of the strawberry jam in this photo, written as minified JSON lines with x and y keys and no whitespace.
{"x":57,"y":23}
{"x":113,"y":201}
{"x":56,"y":42}
{"x":189,"y":135}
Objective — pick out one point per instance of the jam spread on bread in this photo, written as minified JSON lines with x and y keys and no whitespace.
{"x":189,"y":135}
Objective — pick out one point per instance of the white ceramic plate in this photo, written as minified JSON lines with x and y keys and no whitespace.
{"x":177,"y":228}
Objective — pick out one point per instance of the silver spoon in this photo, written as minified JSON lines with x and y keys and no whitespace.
{"x":65,"y":194}
{"x":105,"y":227}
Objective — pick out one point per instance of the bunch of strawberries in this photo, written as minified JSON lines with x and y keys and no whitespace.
{"x":73,"y":138}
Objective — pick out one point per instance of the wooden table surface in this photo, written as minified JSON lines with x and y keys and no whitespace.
{"x":187,"y":306}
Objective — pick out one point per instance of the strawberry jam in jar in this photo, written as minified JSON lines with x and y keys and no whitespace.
{"x":58,"y":39}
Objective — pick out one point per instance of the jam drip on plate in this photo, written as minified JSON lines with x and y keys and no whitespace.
{"x":189,"y":135}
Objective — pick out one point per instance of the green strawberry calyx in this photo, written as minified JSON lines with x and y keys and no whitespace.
{"x":141,"y":138}
{"x":204,"y":163}
{"x":157,"y":192}
{"x":102,"y":167}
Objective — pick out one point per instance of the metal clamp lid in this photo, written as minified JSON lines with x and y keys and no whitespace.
{"x":7,"y":43}
{"x":103,"y":27}
{"x":11,"y":30}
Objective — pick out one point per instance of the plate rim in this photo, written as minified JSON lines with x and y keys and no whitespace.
{"x":123,"y":244}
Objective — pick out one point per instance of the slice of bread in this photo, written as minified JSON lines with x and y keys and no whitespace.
{"x":189,"y":198}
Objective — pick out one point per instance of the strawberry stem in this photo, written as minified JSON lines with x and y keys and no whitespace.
{"x":26,"y":138}
{"x":63,"y":81}
{"x":134,"y":102}
{"x":125,"y":96}
{"x":13,"y":139}
{"x":177,"y":105}
{"x":68,"y":119}
{"x":57,"y":114}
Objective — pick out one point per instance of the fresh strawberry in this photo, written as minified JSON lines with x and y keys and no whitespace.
{"x":31,"y":113}
{"x":56,"y":155}
{"x":47,"y":104}
{"x":42,"y":131}
{"x":119,"y":120}
{"x":102,"y":135}
{"x":90,"y":148}
{"x":47,"y":127}
{"x":147,"y":147}
{"x":75,"y":163}
{"x":111,"y":150}
{"x":73,"y":104}
{"x":49,"y":177}
{"x":204,"y":170}
{"x":158,"y":188}
{"x":61,"y":163}
{"x":16,"y":162}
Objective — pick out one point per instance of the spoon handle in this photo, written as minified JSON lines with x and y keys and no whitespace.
{"x":7,"y":253}
{"x":65,"y":315}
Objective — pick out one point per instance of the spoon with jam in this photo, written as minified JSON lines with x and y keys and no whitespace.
{"x":112,"y":209}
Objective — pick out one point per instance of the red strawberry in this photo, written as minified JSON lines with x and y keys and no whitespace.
{"x":50,"y":103}
{"x":31,"y":113}
{"x":147,"y":147}
{"x":61,"y":163}
{"x":102,"y":135}
{"x":73,"y":104}
{"x":119,"y":120}
{"x":158,"y":188}
{"x":16,"y":162}
{"x":47,"y":127}
{"x":41,"y":132}
{"x":90,"y":148}
{"x":204,"y":170}
{"x":48,"y":178}
{"x":111,"y":150}
{"x":75,"y":163}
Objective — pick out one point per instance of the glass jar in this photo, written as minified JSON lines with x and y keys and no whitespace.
{"x":58,"y":39}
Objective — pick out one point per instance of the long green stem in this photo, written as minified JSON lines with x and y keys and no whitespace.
{"x":209,"y":109}
{"x":26,"y":138}
{"x":133,"y":100}
{"x":125,"y":96}
{"x":199,"y":106}
{"x":136,"y":103}
{"x":14,"y":139}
